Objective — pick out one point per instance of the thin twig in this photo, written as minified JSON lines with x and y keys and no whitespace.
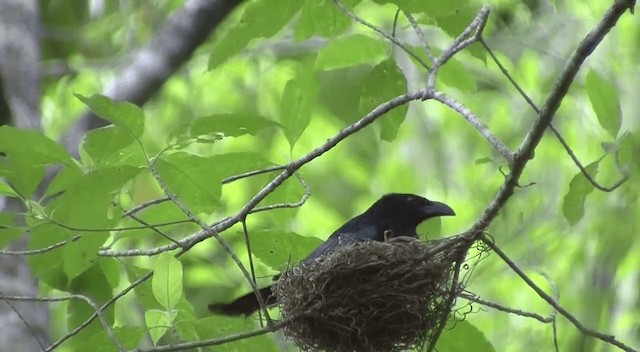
{"x":495,"y":142}
{"x":563,"y":142}
{"x":216,"y":341}
{"x":252,"y":173}
{"x":89,"y":301}
{"x":544,"y":118}
{"x":584,"y":330}
{"x":421,"y":36}
{"x":379,"y":31}
{"x":215,"y":234}
{"x":145,"y":205}
{"x":41,"y":250}
{"x":496,"y":306}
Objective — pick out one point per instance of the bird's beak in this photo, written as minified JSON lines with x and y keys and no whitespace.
{"x":438,"y":209}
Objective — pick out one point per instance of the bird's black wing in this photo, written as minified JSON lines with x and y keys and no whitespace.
{"x":342,"y":239}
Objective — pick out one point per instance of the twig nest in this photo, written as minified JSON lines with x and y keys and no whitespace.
{"x":371,"y":296}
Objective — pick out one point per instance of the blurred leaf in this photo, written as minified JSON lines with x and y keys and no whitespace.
{"x":167,"y":280}
{"x":158,"y":322}
{"x":219,"y":326}
{"x":463,"y":337}
{"x":277,"y":248}
{"x":298,"y":102}
{"x":107,"y":146}
{"x":485,"y":160}
{"x":352,"y":50}
{"x":385,"y":82}
{"x":604,"y":100}
{"x":628,"y":152}
{"x":6,"y":190}
{"x":579,"y":188}
{"x":9,"y":230}
{"x":429,"y":8}
{"x":322,"y":18}
{"x":93,"y":284}
{"x":123,"y":114}
{"x":194,"y":179}
{"x":340,"y":91}
{"x":143,"y":291}
{"x":23,"y":175}
{"x":260,"y":19}
{"x":87,"y":204}
{"x":128,"y":336}
{"x":30,"y":146}
{"x":454,"y":74}
{"x":48,"y":266}
{"x":230,"y":125}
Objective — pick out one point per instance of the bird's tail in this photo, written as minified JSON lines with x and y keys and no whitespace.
{"x":244,"y":305}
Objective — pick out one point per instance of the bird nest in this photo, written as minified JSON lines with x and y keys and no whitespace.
{"x":372,"y":296}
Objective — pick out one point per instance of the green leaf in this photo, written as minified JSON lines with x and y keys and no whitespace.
{"x":86,"y":207}
{"x":218,"y":326}
{"x":128,"y":336}
{"x":431,"y":7}
{"x":340,"y":91}
{"x":352,"y":50}
{"x":108,"y":146}
{"x":158,"y":322}
{"x":277,"y":248}
{"x":9,"y":230}
{"x":124,"y":114}
{"x":463,"y":337}
{"x":194,"y":179}
{"x":32,"y":147}
{"x":604,"y":100}
{"x":6,"y":190}
{"x":48,"y":266}
{"x":230,"y":125}
{"x":298,"y":102}
{"x":454,"y":74}
{"x":93,"y":284}
{"x":385,"y":82}
{"x":261,"y":18}
{"x":167,"y":280}
{"x":579,"y":188}
{"x":322,"y":18}
{"x":628,"y":151}
{"x":23,"y":175}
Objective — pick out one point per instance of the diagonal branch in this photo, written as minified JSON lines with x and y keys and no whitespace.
{"x":544,"y":118}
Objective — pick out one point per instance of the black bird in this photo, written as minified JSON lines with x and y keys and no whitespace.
{"x":394,"y":214}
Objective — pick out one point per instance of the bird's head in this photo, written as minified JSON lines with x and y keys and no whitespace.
{"x":406,"y":211}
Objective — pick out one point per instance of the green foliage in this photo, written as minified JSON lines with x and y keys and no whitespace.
{"x":464,"y":337}
{"x":579,"y":189}
{"x":605,"y":103}
{"x":279,"y":249}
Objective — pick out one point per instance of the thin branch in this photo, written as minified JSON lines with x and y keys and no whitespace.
{"x":390,"y":38}
{"x":497,"y":144}
{"x":213,"y":233}
{"x":565,"y":145}
{"x":253,"y":173}
{"x":522,"y":313}
{"x":216,"y":341}
{"x":145,"y":205}
{"x":126,"y":228}
{"x":469,"y":36}
{"x":184,"y":243}
{"x":41,"y":250}
{"x":420,"y":34}
{"x":584,"y":330}
{"x":30,"y":328}
{"x":89,"y":301}
{"x":544,"y":118}
{"x":99,"y":311}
